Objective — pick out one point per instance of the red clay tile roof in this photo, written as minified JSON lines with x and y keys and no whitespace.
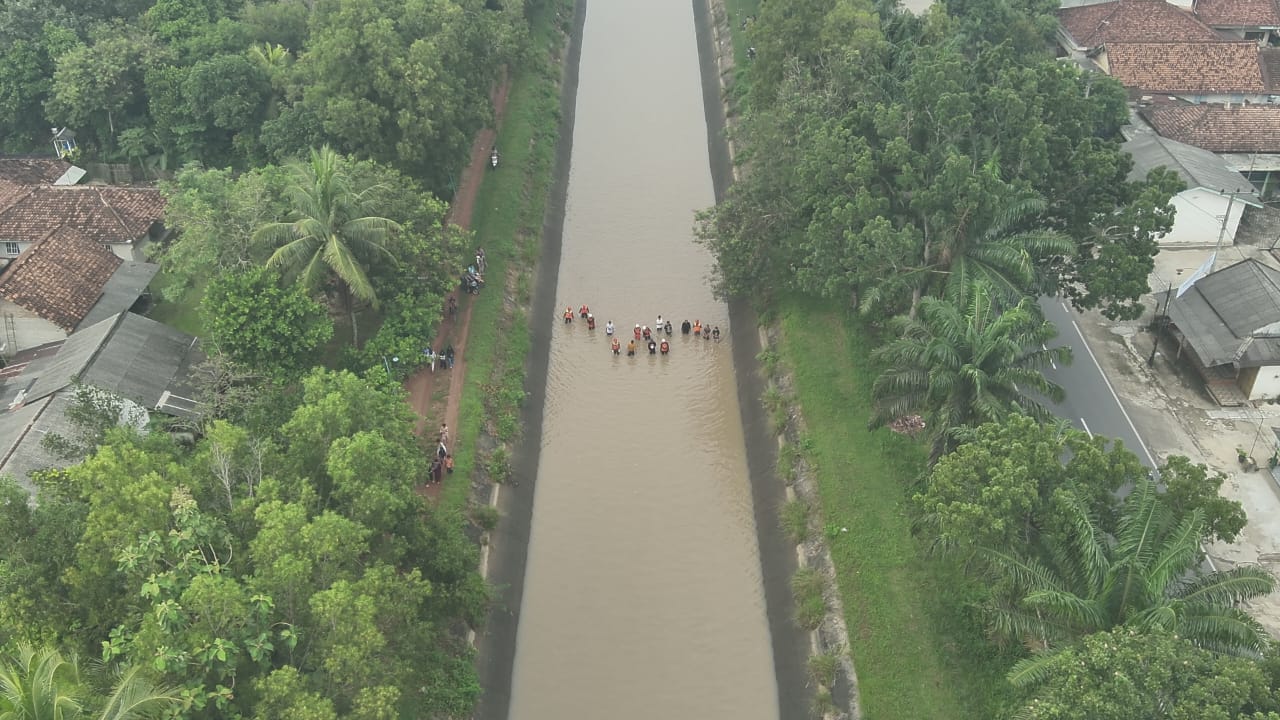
{"x":1133,"y":21}
{"x":1238,"y":129}
{"x":1173,"y":67}
{"x":33,"y":170}
{"x":103,"y":213}
{"x":60,"y":277}
{"x":1238,"y":13}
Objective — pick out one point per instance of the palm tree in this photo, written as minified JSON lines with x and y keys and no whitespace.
{"x":960,"y":368}
{"x":1146,"y":577}
{"x":43,"y":685}
{"x":331,"y":235}
{"x":38,"y":685}
{"x":974,"y":253}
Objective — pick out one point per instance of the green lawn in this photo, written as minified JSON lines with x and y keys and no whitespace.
{"x":917,"y":650}
{"x":183,"y":314}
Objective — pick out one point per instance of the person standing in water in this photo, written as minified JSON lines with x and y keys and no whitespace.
{"x":617,"y":346}
{"x":584,"y":311}
{"x":631,"y":348}
{"x":645,"y":332}
{"x":685,"y":327}
{"x":568,"y":315}
{"x":608,"y":328}
{"x":653,"y":348}
{"x":667,"y":328}
{"x":715,"y":332}
{"x":657,"y":327}
{"x":637,"y":331}
{"x":697,"y":328}
{"x":664,"y":347}
{"x":591,"y":321}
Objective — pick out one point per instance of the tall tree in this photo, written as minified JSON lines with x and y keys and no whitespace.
{"x":1145,"y":577}
{"x":332,"y":236}
{"x":960,"y":367}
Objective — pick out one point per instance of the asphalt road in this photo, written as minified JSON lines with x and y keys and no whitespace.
{"x":1091,"y":403}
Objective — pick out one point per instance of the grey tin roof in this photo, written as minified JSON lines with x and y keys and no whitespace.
{"x":1198,"y":168}
{"x":121,"y":291}
{"x":127,"y":354}
{"x":1232,"y":316}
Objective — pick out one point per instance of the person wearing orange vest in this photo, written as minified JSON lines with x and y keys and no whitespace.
{"x":645,"y":332}
{"x":697,"y":328}
{"x":568,"y":315}
{"x":664,"y":347}
{"x":637,"y":331}
{"x":584,"y":311}
{"x":591,"y":321}
{"x":617,"y":346}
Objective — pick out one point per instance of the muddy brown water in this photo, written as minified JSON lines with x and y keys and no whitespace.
{"x":642,"y":592}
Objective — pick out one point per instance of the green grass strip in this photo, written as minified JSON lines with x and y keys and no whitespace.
{"x":511,"y":204}
{"x":915,"y":644}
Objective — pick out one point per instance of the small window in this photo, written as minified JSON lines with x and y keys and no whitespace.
{"x":11,"y":248}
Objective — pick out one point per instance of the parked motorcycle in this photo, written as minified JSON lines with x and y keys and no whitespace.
{"x":493,"y":157}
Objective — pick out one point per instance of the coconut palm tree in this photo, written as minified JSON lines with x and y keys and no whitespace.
{"x":39,"y":685}
{"x":44,"y":685}
{"x":331,"y":236}
{"x":963,"y":366}
{"x":991,"y":253}
{"x":1147,"y":576}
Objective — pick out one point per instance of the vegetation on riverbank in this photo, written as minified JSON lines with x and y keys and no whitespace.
{"x":276,"y":558}
{"x":912,"y":168}
{"x":507,"y":222}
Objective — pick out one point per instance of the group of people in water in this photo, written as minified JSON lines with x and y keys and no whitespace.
{"x":652,"y":338}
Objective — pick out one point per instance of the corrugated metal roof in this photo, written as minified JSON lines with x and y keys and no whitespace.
{"x":1226,"y":315}
{"x":1197,"y":168}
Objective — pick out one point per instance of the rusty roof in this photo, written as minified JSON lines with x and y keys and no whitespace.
{"x":1236,"y":129}
{"x":1238,"y":13}
{"x":1133,"y":21}
{"x":103,"y":213}
{"x":60,"y":277}
{"x":1199,"y":67}
{"x":32,"y":169}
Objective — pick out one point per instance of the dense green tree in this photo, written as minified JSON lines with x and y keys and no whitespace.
{"x":997,"y":489}
{"x":1190,"y":486}
{"x":332,"y":236}
{"x":99,"y":87}
{"x":961,"y":367}
{"x":277,"y":330}
{"x":1145,"y":577}
{"x":405,"y":83}
{"x":216,"y":213}
{"x":1124,"y":674}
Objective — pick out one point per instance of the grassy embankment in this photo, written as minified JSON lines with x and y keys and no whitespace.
{"x":917,"y":649}
{"x":507,"y":221}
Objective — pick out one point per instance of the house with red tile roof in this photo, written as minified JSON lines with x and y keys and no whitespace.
{"x":125,"y":219}
{"x":1257,"y":20}
{"x":1087,"y":27}
{"x":62,"y":282}
{"x":1197,"y":71}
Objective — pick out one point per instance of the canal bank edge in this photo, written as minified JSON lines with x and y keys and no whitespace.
{"x":507,"y":546}
{"x":831,"y":635}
